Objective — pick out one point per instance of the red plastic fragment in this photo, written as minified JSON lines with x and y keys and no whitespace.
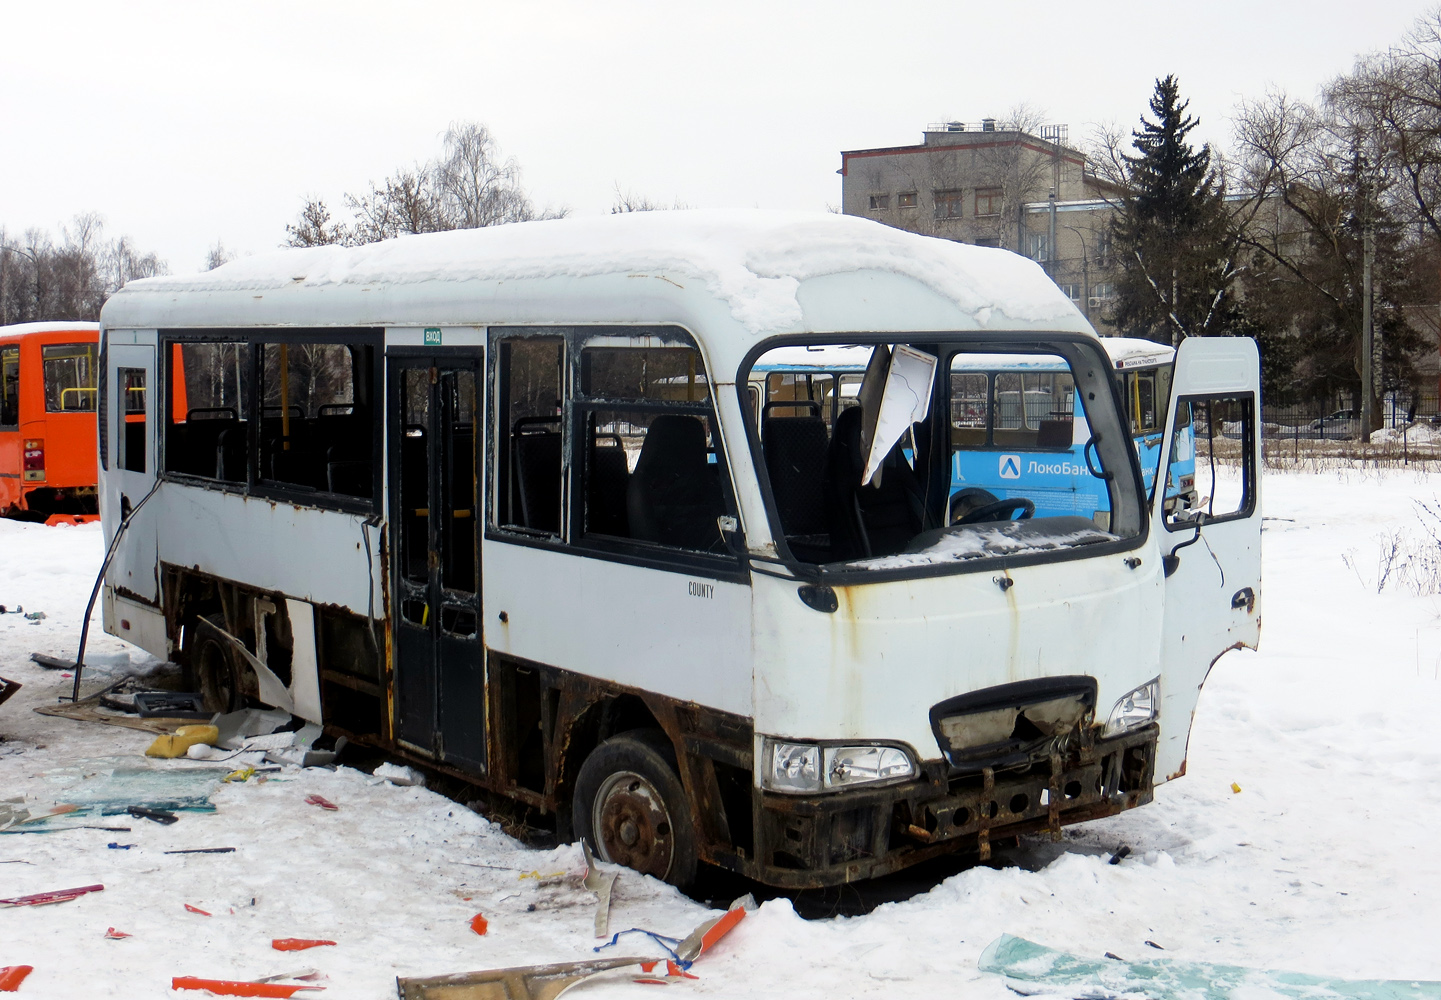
{"x":720,"y":929}
{"x":11,"y":976}
{"x":54,"y":896}
{"x":479,"y":924}
{"x":322,"y":802}
{"x":196,"y":909}
{"x":648,"y":966}
{"x":671,"y":969}
{"x":233,"y":988}
{"x":297,"y":944}
{"x":115,"y":935}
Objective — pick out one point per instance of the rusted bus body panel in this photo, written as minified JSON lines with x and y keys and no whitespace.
{"x":872,"y":669}
{"x":810,"y":841}
{"x":231,"y":536}
{"x":680,"y":632}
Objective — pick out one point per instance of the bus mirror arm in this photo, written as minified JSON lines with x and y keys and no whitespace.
{"x":1105,"y":475}
{"x":730,"y":532}
{"x":1170,"y":561}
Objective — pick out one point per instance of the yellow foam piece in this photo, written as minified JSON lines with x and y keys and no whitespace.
{"x":184,"y":738}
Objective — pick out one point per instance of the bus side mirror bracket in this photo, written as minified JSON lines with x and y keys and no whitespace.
{"x":730,"y":532}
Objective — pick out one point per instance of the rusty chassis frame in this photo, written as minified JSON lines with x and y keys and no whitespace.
{"x":789,"y":841}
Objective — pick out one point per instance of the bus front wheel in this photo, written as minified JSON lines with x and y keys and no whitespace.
{"x":630,"y":806}
{"x":214,"y":669}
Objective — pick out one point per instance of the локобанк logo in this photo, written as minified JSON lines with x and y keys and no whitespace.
{"x":1010,"y":466}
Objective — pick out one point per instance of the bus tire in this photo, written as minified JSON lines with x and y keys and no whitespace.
{"x":630,"y":806}
{"x":213,"y":665}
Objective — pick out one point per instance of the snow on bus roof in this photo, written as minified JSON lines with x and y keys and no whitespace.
{"x":67,"y":326}
{"x":755,"y":262}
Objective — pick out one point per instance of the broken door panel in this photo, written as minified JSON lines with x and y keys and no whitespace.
{"x":1211,"y":549}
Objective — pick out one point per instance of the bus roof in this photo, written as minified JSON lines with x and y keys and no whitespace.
{"x":1133,"y":352}
{"x":734,"y":277}
{"x":69,"y":326}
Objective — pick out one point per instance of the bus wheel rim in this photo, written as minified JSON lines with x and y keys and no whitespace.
{"x":632,"y":824}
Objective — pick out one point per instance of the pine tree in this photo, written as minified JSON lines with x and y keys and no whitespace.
{"x":1174,"y":240}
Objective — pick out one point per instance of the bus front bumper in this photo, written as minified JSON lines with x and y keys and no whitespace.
{"x":822,"y":840}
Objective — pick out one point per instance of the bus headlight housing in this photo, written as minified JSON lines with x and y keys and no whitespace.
{"x":808,"y":767}
{"x":1136,"y":708}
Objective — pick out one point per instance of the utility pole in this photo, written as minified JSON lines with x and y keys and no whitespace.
{"x":1370,"y":355}
{"x":1370,"y":343}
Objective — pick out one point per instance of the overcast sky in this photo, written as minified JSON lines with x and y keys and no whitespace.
{"x":184,"y":123}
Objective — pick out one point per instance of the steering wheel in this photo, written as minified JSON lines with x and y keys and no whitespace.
{"x":989,"y":512}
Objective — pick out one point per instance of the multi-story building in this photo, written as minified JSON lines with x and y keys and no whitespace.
{"x":997,"y":187}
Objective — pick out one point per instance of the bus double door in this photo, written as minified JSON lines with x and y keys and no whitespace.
{"x":439,"y":678}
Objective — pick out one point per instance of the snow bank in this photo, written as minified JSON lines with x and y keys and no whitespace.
{"x":1412,"y":434}
{"x":755,"y":261}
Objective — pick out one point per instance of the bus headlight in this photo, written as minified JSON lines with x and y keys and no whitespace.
{"x":807,"y":767}
{"x":1136,"y":708}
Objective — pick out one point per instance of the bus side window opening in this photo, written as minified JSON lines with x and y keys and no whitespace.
{"x":132,"y":436}
{"x":653,"y":468}
{"x":529,"y":434}
{"x":9,"y":388}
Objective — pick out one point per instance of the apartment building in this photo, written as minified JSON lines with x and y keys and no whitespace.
{"x":981,"y":183}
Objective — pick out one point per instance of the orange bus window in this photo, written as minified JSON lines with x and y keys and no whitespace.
{"x":70,"y":384}
{"x":9,"y":388}
{"x":132,"y":433}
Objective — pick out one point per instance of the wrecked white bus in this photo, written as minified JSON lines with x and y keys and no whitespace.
{"x":499,"y":501}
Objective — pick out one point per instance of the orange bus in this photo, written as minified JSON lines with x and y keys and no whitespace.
{"x":48,"y":395}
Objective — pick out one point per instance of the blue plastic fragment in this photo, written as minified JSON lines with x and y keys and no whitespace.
{"x":667,"y":943}
{"x":119,"y":847}
{"x":1169,"y":979}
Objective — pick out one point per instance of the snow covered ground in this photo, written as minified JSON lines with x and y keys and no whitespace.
{"x":1324,"y":862}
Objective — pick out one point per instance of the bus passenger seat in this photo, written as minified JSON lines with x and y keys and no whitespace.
{"x":797,"y":453}
{"x":535,"y":453}
{"x":673,"y":498}
{"x":870,"y":520}
{"x":606,"y":493}
{"x":230,"y":454}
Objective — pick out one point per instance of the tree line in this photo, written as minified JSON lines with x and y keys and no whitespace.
{"x":43,"y":277}
{"x":1325,"y":218}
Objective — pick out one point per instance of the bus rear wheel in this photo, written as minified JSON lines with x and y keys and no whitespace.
{"x":630,"y":806}
{"x":214,"y":669}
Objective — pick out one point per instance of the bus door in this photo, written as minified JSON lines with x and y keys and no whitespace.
{"x":439,"y":663}
{"x":1211,"y":549}
{"x":130,"y":428}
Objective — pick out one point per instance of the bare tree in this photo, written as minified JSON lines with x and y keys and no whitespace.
{"x":471,"y":185}
{"x":628,"y":201}
{"x":314,"y":227}
{"x":41,"y":279}
{"x":217,"y":255}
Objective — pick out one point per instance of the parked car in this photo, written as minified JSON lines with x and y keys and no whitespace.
{"x":1341,"y":425}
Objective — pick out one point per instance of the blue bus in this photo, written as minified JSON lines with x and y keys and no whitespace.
{"x":1016,"y":432}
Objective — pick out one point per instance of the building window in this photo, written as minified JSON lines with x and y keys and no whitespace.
{"x":1104,"y":291}
{"x":1038,"y":246}
{"x":988,"y":202}
{"x":1103,"y":249}
{"x":906,"y":199}
{"x":880,"y":202}
{"x":948,"y":204}
{"x":1073,"y":292}
{"x":993,"y":242}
